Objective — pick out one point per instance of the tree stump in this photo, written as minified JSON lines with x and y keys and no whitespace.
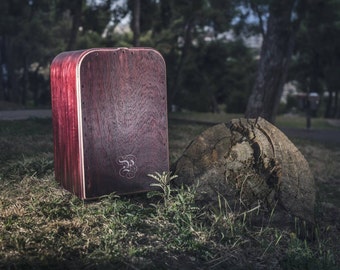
{"x":249,"y":162}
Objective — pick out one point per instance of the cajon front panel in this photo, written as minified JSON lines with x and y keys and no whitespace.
{"x":121,"y":122}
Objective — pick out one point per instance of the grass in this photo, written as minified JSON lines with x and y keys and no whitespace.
{"x":289,"y":121}
{"x":282,"y":121}
{"x":45,"y":227}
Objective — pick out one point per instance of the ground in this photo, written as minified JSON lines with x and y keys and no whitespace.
{"x":42,"y":225}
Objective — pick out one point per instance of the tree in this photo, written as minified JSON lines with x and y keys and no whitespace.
{"x":76,"y":10}
{"x":217,"y":72}
{"x":251,"y":164}
{"x":143,"y":16}
{"x":32,"y":33}
{"x":25,"y":38}
{"x":316,"y":59}
{"x":276,"y":51}
{"x":179,"y":29}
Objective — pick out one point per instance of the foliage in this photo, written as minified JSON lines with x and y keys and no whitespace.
{"x":316,"y":59}
{"x":163,"y":183}
{"x":187,"y":34}
{"x":32,"y":33}
{"x":208,"y":64}
{"x":205,"y":80}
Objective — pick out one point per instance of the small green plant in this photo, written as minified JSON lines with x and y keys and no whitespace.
{"x":178,"y":204}
{"x":163,"y":183}
{"x":179,"y":211}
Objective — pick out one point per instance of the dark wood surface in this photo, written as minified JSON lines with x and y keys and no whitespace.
{"x":110,"y":120}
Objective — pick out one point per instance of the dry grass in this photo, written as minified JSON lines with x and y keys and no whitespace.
{"x":44,"y":227}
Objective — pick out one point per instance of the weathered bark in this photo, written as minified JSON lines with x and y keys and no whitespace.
{"x":250,"y":163}
{"x":259,"y":14}
{"x":275,"y":55}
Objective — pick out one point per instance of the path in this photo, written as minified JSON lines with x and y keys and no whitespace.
{"x":327,"y":136}
{"x":24,"y":114}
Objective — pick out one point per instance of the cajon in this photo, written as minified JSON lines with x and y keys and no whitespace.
{"x":110,"y":124}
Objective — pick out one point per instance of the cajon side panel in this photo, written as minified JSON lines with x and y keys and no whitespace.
{"x":67,"y":158}
{"x":124,"y":111}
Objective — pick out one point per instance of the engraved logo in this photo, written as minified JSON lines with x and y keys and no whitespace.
{"x":128,"y":166}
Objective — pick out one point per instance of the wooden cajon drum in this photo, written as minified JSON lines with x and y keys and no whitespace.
{"x":110,"y":124}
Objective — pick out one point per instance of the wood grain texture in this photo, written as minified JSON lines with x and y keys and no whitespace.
{"x":68,"y":159}
{"x":119,"y":116}
{"x":250,"y":163}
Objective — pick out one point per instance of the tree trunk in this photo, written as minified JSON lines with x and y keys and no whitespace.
{"x":136,"y":23}
{"x":275,"y":55}
{"x":336,"y":103}
{"x":174,"y":89}
{"x":252,"y":165}
{"x":329,"y":104}
{"x":6,"y":66}
{"x":76,"y":11}
{"x":13,"y":90}
{"x":214,"y":105}
{"x":25,"y":86}
{"x":3,"y":69}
